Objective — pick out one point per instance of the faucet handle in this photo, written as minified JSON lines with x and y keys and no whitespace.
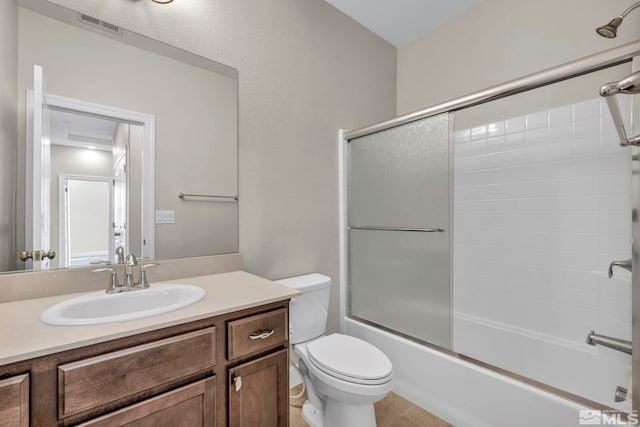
{"x":143,"y":274}
{"x":114,"y":286}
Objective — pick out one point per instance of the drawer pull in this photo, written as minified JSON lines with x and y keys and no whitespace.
{"x":261,"y":335}
{"x":237,"y":382}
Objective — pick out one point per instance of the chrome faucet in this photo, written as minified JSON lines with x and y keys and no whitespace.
{"x":129,"y":283}
{"x":120,"y":255}
{"x":128,"y":271}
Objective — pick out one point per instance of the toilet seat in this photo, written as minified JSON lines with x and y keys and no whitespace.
{"x":350,"y":359}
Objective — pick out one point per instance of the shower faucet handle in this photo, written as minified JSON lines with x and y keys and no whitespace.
{"x":626,"y":264}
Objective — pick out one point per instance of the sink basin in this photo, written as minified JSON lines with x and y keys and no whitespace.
{"x":99,"y":308}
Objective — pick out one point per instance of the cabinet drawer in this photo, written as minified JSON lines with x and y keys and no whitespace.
{"x":193,"y":405}
{"x":256,"y":333}
{"x":14,"y":401}
{"x":92,"y":382}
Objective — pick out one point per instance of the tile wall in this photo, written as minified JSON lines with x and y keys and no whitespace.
{"x":541,"y":207}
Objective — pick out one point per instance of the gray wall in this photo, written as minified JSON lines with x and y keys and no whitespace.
{"x":500,"y":40}
{"x":306,"y":70}
{"x":8,"y":130}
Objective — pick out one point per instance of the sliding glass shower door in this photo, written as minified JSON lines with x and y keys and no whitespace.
{"x":399,"y":231}
{"x":502,"y":236}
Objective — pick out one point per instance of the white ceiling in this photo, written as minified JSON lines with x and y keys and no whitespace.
{"x":77,"y":130}
{"x":402,"y":21}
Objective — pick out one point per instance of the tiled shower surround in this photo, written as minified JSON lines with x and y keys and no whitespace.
{"x":541,"y":207}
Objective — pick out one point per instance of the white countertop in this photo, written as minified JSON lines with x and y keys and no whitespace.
{"x":23,"y":336}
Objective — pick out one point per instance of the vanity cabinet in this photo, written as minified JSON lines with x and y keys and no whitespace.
{"x":189,"y":406}
{"x":258,"y":392}
{"x":14,"y":401}
{"x":228,"y":370}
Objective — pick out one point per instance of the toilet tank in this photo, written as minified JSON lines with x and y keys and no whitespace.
{"x":308,"y":313}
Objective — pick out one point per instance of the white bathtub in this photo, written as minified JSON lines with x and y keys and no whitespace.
{"x":462,"y":393}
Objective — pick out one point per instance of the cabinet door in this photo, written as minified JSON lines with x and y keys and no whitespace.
{"x":193,"y":405}
{"x":14,"y":401}
{"x":258,"y":392}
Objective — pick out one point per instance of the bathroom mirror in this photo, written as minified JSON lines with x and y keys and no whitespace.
{"x":176,"y":112}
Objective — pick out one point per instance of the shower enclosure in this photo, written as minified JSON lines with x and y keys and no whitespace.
{"x":485,"y":228}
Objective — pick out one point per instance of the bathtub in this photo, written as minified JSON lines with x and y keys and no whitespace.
{"x":463,"y":393}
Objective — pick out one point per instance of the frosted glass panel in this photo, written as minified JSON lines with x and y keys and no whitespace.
{"x":401,"y":279}
{"x":400,"y":176}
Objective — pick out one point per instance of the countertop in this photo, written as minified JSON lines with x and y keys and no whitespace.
{"x":23,"y":336}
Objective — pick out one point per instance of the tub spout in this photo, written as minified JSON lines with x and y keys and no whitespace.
{"x":611,"y":342}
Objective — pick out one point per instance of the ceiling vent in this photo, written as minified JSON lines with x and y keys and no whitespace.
{"x":95,"y":22}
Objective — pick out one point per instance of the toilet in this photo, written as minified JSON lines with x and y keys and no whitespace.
{"x":344,"y":375}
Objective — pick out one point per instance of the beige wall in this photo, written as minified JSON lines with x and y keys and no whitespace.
{"x":500,"y":40}
{"x":8,"y":129}
{"x":195,"y":111}
{"x":306,"y":70}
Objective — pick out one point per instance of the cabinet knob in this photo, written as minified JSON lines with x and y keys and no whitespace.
{"x":237,"y":382}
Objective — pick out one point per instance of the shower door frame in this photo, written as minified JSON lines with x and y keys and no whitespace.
{"x":627,"y":53}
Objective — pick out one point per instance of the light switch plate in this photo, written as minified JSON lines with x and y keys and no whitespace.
{"x":165,"y":217}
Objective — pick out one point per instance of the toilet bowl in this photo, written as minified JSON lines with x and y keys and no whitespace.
{"x":344,"y":375}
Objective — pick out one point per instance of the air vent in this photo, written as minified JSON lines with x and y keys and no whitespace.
{"x":110,"y":27}
{"x":95,"y":22}
{"x":89,"y":19}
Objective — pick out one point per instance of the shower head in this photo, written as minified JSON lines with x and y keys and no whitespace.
{"x":611,"y":29}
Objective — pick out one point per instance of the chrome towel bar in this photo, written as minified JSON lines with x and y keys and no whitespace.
{"x":613,"y":343}
{"x":211,"y":196}
{"x":422,"y":230}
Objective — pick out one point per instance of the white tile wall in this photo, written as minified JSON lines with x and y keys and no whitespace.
{"x":541,"y":206}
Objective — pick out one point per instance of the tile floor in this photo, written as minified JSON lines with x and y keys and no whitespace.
{"x":392,"y":411}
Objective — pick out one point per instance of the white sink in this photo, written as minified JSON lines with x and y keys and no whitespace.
{"x":99,"y":308}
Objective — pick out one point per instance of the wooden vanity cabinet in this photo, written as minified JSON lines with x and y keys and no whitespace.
{"x":190,"y":406}
{"x":14,"y":401}
{"x":181,"y":376}
{"x":259,"y":392}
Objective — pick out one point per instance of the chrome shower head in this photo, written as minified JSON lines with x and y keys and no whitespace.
{"x":611,"y":29}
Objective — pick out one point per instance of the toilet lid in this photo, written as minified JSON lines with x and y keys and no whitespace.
{"x":349,"y":358}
